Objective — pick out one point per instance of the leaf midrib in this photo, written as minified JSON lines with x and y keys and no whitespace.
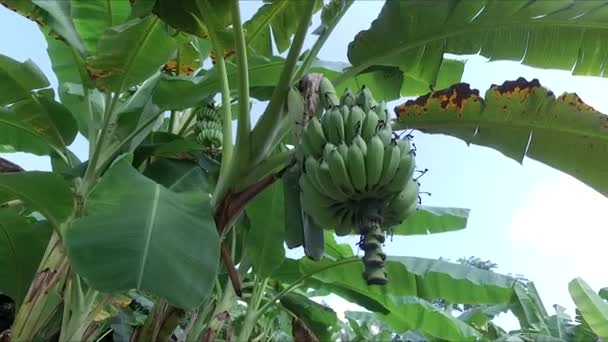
{"x":148,"y":229}
{"x":265,"y":22}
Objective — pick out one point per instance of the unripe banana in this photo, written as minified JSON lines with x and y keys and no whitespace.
{"x":344,"y":225}
{"x":337,"y":169}
{"x":404,"y":146}
{"x":370,"y":125}
{"x":358,"y":140}
{"x":404,"y":172}
{"x":374,"y":161}
{"x":365,"y":99}
{"x":356,"y":167}
{"x":317,"y":138}
{"x":348,"y":98}
{"x":327,"y":92}
{"x":308,"y":147}
{"x":311,"y":170}
{"x":336,"y":126}
{"x":354,"y":124}
{"x":390,"y":164}
{"x":343,"y":149}
{"x":381,"y":111}
{"x":345,"y":110}
{"x":311,"y":192}
{"x":330,"y":187}
{"x":403,"y":201}
{"x":329,"y":147}
{"x":385,"y":135}
{"x":322,"y":216}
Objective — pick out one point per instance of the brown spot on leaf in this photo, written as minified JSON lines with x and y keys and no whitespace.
{"x":452,"y":98}
{"x":572,"y":99}
{"x":520,"y":84}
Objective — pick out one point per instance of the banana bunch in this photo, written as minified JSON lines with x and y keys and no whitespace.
{"x":208,"y":128}
{"x":357,"y":175}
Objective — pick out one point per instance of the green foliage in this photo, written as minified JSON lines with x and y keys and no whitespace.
{"x":148,"y":225}
{"x":148,"y":237}
{"x":519,"y":119}
{"x":22,"y":243}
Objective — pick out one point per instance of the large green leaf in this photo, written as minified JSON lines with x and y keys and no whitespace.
{"x":591,"y":306}
{"x":92,"y":18}
{"x":45,"y":192}
{"x":33,"y":117}
{"x":280,"y":16}
{"x":411,"y":281}
{"x":519,"y":118}
{"x":127,"y":54}
{"x":413,"y":35}
{"x":317,"y":317}
{"x":22,"y":245}
{"x":529,"y":309}
{"x":266,"y":234}
{"x":431,"y":220}
{"x":136,"y":234}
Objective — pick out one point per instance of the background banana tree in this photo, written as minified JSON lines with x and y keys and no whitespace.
{"x":140,"y":241}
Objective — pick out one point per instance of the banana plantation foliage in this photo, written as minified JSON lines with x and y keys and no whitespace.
{"x":176,"y":225}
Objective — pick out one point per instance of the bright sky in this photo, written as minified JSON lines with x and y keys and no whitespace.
{"x":530,"y":219}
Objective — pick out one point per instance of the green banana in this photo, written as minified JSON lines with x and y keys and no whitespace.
{"x":330,"y":187}
{"x":328,"y":95}
{"x":323,"y":216}
{"x":343,"y":149}
{"x":337,"y":170}
{"x":405,"y":198}
{"x":329,"y":147}
{"x":311,"y":170}
{"x":381,"y":111}
{"x":312,"y":194}
{"x":344,"y":225}
{"x":348,"y":98}
{"x":386,"y":135}
{"x":365,"y":99}
{"x":374,"y":161}
{"x":354,"y":124}
{"x":370,"y":125}
{"x":361,"y":144}
{"x":345,"y":110}
{"x":404,"y":172}
{"x":336,"y":126}
{"x":356,"y":167}
{"x":294,"y":228}
{"x":314,"y":238}
{"x":389,"y":164}
{"x":308,"y":147}
{"x":316,"y":137}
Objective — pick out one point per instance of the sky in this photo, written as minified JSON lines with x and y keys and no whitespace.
{"x":528,"y":218}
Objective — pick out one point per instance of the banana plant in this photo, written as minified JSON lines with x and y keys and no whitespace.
{"x":171,"y":207}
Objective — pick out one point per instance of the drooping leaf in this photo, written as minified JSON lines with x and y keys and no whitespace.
{"x":591,"y":306}
{"x":414,"y":35}
{"x":266,"y":235}
{"x":279,"y":17}
{"x":22,"y":245}
{"x":128,"y":54}
{"x":431,"y":220}
{"x":529,"y":309}
{"x":45,"y":192}
{"x":92,"y":18}
{"x":317,"y":317}
{"x":33,"y":117}
{"x":411,"y":280}
{"x":148,"y":237}
{"x":58,"y":18}
{"x":518,"y":118}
